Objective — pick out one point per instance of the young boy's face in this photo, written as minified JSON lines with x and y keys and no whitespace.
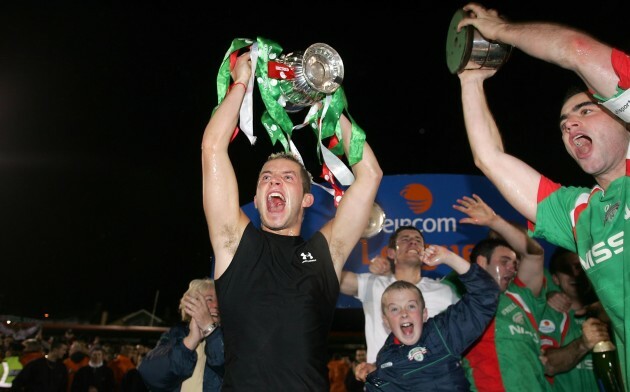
{"x":404,"y":314}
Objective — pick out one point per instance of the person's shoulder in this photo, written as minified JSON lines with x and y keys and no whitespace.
{"x":180,"y":327}
{"x":37,"y":361}
{"x":368,"y":276}
{"x":83,"y":369}
{"x":107,"y":370}
{"x":431,"y":282}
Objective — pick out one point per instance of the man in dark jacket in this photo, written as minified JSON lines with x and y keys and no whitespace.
{"x":190,"y":355}
{"x":45,"y":374}
{"x":96,"y":375}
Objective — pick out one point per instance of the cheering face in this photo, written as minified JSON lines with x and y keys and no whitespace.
{"x":409,"y":247}
{"x":405,"y":315}
{"x":571,"y":277}
{"x":280,"y":199}
{"x":597,"y":140}
{"x":210,"y":295}
{"x":502,"y":266}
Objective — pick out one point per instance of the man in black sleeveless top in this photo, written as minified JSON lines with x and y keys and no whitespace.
{"x":277,"y":291}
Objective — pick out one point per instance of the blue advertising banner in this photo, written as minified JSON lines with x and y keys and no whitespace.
{"x":421,"y":200}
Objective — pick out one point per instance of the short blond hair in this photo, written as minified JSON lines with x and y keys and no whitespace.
{"x":305,"y":176}
{"x":195,"y":285}
{"x":401,"y":285}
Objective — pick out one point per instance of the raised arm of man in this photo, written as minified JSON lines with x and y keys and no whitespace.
{"x":226,"y":221}
{"x":517,"y":181}
{"x":564,"y":46}
{"x":345,"y":229}
{"x":530,"y":253}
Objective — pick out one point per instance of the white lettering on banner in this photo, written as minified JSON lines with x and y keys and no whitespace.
{"x":603,"y":251}
{"x":426,"y":225}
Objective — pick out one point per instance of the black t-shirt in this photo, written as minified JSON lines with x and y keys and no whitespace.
{"x":277,"y":301}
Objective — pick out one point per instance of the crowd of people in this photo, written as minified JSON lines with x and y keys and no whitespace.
{"x":499,"y":322}
{"x":68,"y":363}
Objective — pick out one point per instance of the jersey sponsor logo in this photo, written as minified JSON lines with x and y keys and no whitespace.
{"x":417,"y":354}
{"x":611,"y":211}
{"x":519,"y":330}
{"x":518,"y":318}
{"x":547,"y":326}
{"x":386,"y":365}
{"x":546,"y":342}
{"x":307,"y":257}
{"x":508,"y":309}
{"x":603,"y":251}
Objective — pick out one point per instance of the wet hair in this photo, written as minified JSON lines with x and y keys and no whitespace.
{"x":305,"y":176}
{"x":392,"y":238}
{"x":573,"y":90}
{"x":401,"y":285}
{"x":195,"y":285}
{"x":576,"y":89}
{"x":486,"y":248}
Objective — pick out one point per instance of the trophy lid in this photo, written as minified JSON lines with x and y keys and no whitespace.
{"x":323,"y":68}
{"x":458,"y":43}
{"x":468,"y":49}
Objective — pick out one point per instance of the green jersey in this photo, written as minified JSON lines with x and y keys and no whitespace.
{"x":559,"y":329}
{"x":591,"y":223}
{"x":506,"y":357}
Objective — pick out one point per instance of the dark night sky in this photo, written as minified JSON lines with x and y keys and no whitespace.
{"x":102,"y":108}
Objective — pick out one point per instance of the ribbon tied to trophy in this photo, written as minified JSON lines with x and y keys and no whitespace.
{"x":290,"y":83}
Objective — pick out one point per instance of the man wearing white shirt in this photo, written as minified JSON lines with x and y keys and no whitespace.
{"x":405,"y":247}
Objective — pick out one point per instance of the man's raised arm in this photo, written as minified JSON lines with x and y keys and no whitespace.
{"x":517,"y":181}
{"x":226,"y":222}
{"x":564,"y":46}
{"x":345,"y":229}
{"x":530,"y":253}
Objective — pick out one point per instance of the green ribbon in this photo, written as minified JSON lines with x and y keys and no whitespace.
{"x":275,"y":119}
{"x":224,"y":77}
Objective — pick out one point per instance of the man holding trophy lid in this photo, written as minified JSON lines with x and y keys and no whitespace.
{"x":278,"y":291}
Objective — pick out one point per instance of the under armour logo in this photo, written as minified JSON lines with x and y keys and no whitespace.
{"x":307,"y":257}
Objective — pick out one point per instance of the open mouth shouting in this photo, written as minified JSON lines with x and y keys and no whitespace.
{"x":275,"y":202}
{"x":583,"y":145}
{"x":406,"y":329}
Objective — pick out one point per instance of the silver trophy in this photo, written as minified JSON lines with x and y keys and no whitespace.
{"x":314,"y":73}
{"x":376,"y":221}
{"x":468,"y":49}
